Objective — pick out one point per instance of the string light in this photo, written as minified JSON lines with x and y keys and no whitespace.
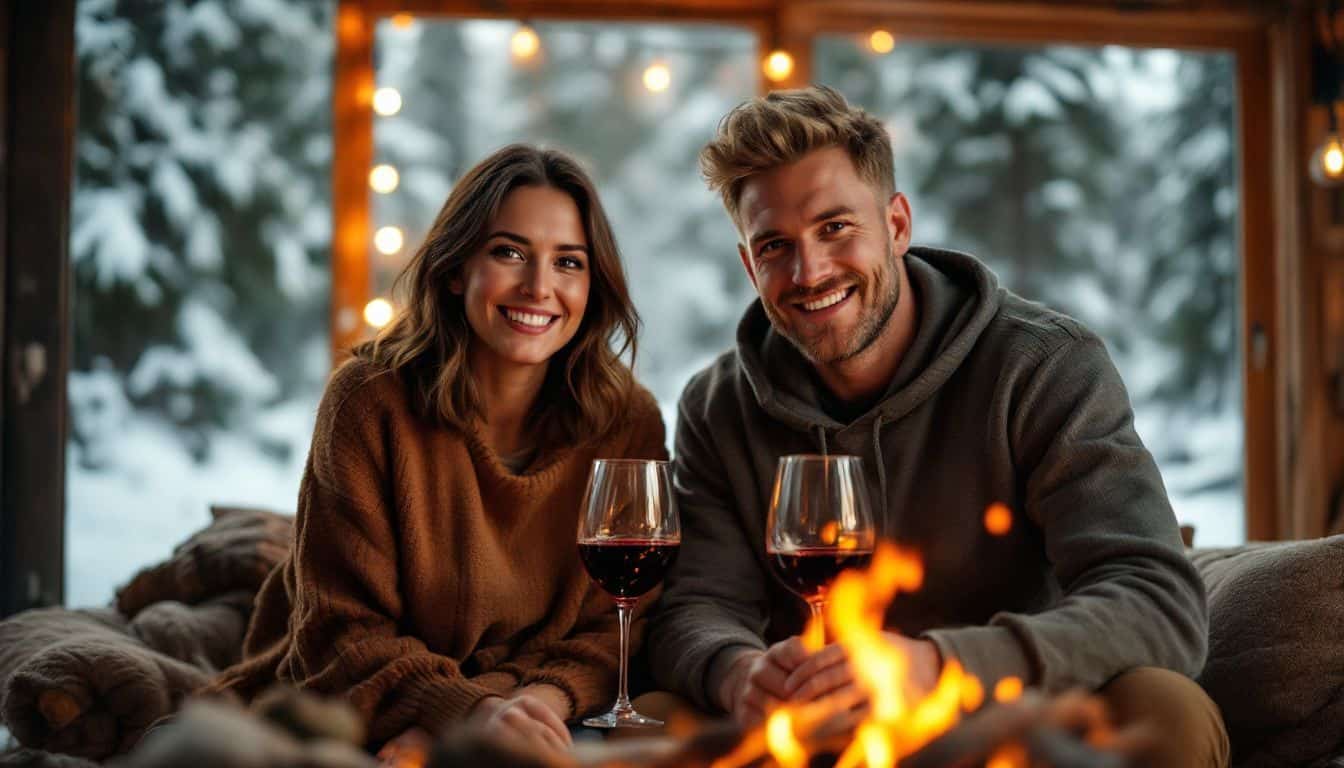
{"x":1327,"y":162}
{"x":383,"y":178}
{"x":378,"y":312}
{"x":881,"y":41}
{"x":402,"y":20}
{"x":387,"y":101}
{"x":388,"y":240}
{"x":778,"y":66}
{"x":657,"y":77}
{"x":1327,"y":60}
{"x":524,"y":44}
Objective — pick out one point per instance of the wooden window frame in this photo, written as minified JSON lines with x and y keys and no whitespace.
{"x":37,"y":118}
{"x":1287,"y":459}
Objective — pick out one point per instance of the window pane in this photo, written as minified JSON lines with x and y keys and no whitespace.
{"x":1099,"y":181}
{"x":199,"y":240}
{"x":588,"y":89}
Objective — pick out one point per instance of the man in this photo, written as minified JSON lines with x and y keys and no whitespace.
{"x":957,"y":394}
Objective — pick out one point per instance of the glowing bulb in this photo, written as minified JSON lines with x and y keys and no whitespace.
{"x":525,"y":43}
{"x":778,"y":66}
{"x":388,"y":240}
{"x":402,"y":20}
{"x":881,"y":41}
{"x":1333,"y":159}
{"x":1327,"y":162}
{"x":387,"y":101}
{"x":383,"y":178}
{"x":657,"y":77}
{"x":378,"y":313}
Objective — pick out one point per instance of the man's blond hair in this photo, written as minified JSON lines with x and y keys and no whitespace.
{"x":778,"y":129}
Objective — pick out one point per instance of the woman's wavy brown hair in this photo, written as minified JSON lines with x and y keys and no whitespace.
{"x":587,"y":385}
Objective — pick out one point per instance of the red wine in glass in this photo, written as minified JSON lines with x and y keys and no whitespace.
{"x":819,"y":524}
{"x":628,"y":568}
{"x":628,"y":537}
{"x":809,"y":572}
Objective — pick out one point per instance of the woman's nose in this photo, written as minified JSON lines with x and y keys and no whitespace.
{"x":537,"y":282}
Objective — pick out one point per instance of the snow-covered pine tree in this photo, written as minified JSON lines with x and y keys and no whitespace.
{"x":201,"y":206}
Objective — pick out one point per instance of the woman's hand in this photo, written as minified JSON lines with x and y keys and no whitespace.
{"x":529,"y":714}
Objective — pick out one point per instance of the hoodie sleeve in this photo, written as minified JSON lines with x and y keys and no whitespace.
{"x":1131,"y":597}
{"x":715,"y":599}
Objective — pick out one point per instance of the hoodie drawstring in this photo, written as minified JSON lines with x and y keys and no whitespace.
{"x":881,"y":465}
{"x":821,"y":439}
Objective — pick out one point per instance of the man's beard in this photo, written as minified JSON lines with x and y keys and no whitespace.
{"x":886,"y":292}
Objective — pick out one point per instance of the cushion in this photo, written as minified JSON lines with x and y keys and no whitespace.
{"x":1276,"y":649}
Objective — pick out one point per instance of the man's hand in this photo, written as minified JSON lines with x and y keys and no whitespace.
{"x":529,"y":714}
{"x":827,"y":672}
{"x":756,"y":680}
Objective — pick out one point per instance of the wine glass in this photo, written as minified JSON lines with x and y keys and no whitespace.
{"x":629,"y":536}
{"x":819,"y":525}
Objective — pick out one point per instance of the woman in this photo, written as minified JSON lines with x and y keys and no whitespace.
{"x":434,"y":575}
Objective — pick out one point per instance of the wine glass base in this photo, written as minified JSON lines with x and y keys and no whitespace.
{"x":626,"y":719}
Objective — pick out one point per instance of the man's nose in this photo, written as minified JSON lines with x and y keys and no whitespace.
{"x":811,"y":266}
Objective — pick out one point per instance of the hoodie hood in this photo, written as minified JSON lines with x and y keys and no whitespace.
{"x":957,"y":296}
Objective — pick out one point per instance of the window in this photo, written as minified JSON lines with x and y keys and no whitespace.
{"x":1101,"y":182}
{"x":199,"y":237}
{"x":634,"y":102}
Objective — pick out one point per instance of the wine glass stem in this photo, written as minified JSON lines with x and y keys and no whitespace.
{"x":818,"y":623}
{"x":625,"y":608}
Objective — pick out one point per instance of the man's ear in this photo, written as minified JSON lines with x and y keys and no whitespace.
{"x":746,"y":264}
{"x":900,"y":222}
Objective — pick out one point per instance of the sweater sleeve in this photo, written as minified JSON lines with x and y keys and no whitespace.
{"x":1131,"y":597}
{"x":715,"y":601}
{"x":585,"y":662}
{"x":347,"y":605}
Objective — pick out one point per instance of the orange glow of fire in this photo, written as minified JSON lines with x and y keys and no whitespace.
{"x":998,"y":519}
{"x":901,"y":717}
{"x":1008,"y":689}
{"x":784,"y":745}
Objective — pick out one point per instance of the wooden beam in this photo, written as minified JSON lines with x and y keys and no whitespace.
{"x":352,"y":136}
{"x":39,"y":118}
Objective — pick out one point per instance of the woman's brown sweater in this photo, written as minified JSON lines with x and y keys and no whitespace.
{"x":425,"y":576}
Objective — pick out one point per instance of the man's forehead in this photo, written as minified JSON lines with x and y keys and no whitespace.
{"x":803,"y":189}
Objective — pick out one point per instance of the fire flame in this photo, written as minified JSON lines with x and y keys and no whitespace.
{"x":901,"y":717}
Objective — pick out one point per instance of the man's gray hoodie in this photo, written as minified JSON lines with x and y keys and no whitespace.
{"x":997,"y":400}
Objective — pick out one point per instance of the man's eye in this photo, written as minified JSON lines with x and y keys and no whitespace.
{"x":772,"y":246}
{"x":831,"y":227}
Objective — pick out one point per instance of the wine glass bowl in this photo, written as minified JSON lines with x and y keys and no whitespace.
{"x":628,"y":538}
{"x":820,"y":523}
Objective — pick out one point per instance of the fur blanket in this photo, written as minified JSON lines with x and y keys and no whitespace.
{"x":89,"y":682}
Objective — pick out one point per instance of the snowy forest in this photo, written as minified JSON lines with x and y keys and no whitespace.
{"x":1100,"y":181}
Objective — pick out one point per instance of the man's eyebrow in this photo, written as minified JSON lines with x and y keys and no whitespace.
{"x":830,"y":213}
{"x":766,"y":235}
{"x":517,"y":238}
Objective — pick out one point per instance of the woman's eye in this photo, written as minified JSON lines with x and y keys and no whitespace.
{"x":569,"y":262}
{"x":507,"y":252}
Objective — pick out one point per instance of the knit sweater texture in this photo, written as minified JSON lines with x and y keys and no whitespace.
{"x":426,"y":576}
